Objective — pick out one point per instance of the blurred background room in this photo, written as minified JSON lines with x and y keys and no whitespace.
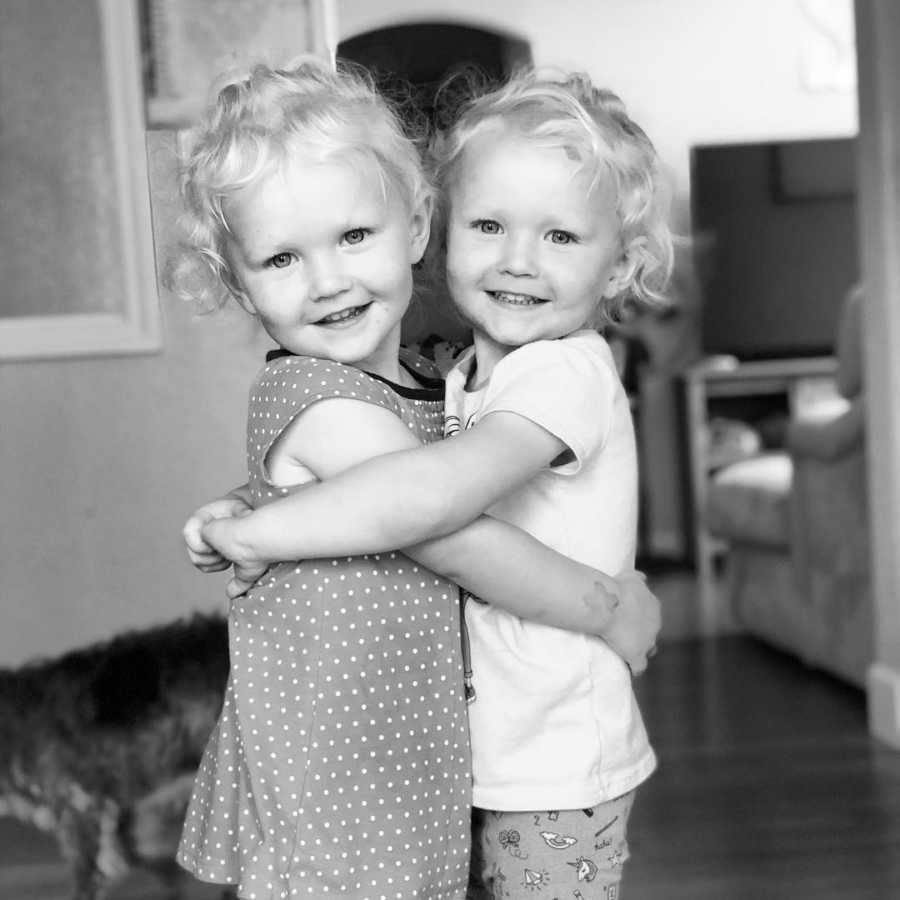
{"x":764,"y":397}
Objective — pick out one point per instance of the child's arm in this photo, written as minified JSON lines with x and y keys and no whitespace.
{"x":509,"y":568}
{"x":396,"y":499}
{"x":504,"y":565}
{"x":492,"y":559}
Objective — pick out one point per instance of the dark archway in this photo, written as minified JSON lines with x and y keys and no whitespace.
{"x":418,"y":57}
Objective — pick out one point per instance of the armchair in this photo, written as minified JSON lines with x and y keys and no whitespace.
{"x":798,"y":556}
{"x":830,"y":505}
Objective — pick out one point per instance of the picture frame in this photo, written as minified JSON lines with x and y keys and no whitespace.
{"x":188,"y":43}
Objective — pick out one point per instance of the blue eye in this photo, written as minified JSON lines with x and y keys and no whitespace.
{"x":558,"y":236}
{"x":356,"y":235}
{"x":280,"y":260}
{"x":486,"y":226}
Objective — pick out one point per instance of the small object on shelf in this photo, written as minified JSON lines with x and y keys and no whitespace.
{"x":721,"y":362}
{"x":729,"y":441}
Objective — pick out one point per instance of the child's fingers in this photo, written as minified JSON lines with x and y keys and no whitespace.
{"x":203,"y":556}
{"x":220,"y":565}
{"x":213,"y":533}
{"x":218,"y":509}
{"x":638,"y":665}
{"x":244,"y":578}
{"x":237,"y":587}
{"x":193,"y":535}
{"x":207,"y":559}
{"x":249,"y":574}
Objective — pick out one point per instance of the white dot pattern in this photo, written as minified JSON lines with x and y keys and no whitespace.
{"x":340,"y":762}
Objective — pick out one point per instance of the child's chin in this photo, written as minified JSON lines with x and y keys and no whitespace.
{"x":517,"y":337}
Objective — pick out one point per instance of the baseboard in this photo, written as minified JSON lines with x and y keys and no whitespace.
{"x":883,"y":689}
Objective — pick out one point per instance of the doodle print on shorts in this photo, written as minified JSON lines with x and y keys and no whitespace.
{"x":558,"y":841}
{"x":585,"y":869}
{"x":536,"y":881}
{"x":603,"y":843}
{"x":610,"y":892}
{"x":509,"y":839}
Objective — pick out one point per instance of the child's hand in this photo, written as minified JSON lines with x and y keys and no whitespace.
{"x":635,"y":624}
{"x":243,"y":579}
{"x":222,"y":535}
{"x":203,"y":555}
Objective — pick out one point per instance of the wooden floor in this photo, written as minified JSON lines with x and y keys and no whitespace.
{"x":768,"y":787}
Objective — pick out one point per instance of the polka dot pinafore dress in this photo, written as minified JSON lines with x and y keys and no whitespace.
{"x":340,"y":762}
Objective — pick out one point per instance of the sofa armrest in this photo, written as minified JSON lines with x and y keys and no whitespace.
{"x":828,"y":439}
{"x":829,"y":495}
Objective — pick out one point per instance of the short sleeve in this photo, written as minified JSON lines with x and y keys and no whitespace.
{"x":291,"y":384}
{"x":569,"y":387}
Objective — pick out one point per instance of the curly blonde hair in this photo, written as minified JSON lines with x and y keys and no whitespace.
{"x":593,"y":126}
{"x":255,"y":123}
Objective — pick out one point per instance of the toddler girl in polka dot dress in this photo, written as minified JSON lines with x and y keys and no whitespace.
{"x":340,"y":762}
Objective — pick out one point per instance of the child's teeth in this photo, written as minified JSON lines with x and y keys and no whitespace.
{"x":522,"y":299}
{"x":344,"y":314}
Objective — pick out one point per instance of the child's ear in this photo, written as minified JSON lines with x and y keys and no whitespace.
{"x":625,"y":268}
{"x":240,"y":296}
{"x":420,"y":228}
{"x":244,"y":302}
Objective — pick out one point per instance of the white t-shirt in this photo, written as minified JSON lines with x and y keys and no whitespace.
{"x":555,"y":724}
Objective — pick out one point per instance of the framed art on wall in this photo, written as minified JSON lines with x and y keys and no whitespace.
{"x":189,"y":42}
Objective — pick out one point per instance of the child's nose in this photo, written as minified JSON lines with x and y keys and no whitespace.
{"x":519,"y":256}
{"x":327,"y":277}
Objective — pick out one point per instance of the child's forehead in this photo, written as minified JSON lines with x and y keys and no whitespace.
{"x":299,"y":175}
{"x":572,"y":140}
{"x":303,"y":193}
{"x":500,"y":151}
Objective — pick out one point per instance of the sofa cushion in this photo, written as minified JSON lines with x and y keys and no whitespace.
{"x":750,"y":500}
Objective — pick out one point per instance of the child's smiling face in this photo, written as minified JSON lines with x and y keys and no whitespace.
{"x":324,"y":258}
{"x":531,"y":248}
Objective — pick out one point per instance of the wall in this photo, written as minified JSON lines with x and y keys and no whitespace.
{"x":103,"y":461}
{"x":103,"y":458}
{"x":691,"y":71}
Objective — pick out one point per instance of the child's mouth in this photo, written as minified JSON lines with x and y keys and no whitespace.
{"x":516,"y":299}
{"x":345,"y":316}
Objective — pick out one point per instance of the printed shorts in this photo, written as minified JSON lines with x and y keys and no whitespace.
{"x":574,"y":854}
